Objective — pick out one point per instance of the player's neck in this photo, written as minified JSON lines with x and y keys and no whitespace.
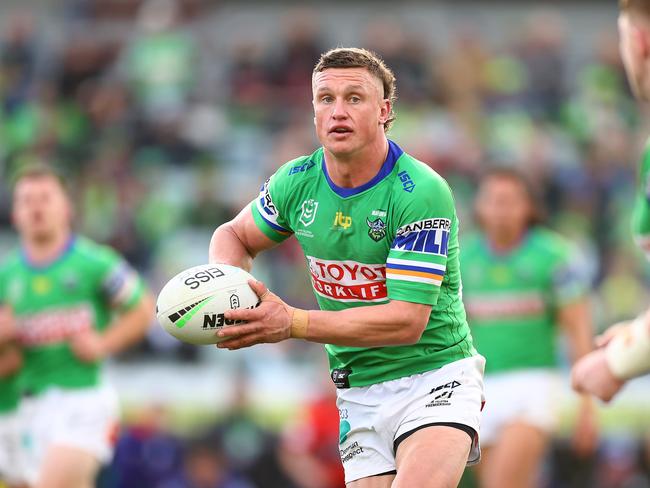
{"x":44,"y":251}
{"x":358,"y":168}
{"x":505,"y":242}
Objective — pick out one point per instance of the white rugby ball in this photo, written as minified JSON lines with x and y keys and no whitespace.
{"x":191,"y":305}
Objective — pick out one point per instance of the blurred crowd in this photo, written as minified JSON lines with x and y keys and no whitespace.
{"x":163,"y":135}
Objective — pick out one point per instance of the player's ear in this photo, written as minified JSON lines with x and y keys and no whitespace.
{"x":384,"y":111}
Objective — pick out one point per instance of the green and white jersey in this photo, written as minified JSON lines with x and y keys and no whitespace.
{"x":641,"y":212}
{"x":512,"y":299}
{"x":77,"y":292}
{"x":393,"y":238}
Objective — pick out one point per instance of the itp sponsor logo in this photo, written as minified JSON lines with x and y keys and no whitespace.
{"x":342,"y":221}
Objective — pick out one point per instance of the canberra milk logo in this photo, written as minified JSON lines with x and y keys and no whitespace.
{"x":308,"y":215}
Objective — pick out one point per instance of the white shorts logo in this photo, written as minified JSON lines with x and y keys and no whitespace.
{"x":308,"y":214}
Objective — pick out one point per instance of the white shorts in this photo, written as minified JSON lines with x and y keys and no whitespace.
{"x":86,"y":419}
{"x":376,"y":418}
{"x":9,"y":449}
{"x":529,"y":396}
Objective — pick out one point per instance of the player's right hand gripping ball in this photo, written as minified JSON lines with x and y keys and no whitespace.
{"x":191,"y":305}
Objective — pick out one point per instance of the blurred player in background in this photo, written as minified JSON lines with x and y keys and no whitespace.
{"x":519,"y":281}
{"x":10,"y":363}
{"x":380,"y":234}
{"x":74,"y":303}
{"x":625,"y":348}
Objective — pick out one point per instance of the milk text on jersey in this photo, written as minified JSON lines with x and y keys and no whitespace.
{"x":348,"y":281}
{"x":429,"y":236}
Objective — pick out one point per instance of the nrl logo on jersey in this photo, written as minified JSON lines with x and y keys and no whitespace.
{"x":308,"y":214}
{"x":377,"y":229}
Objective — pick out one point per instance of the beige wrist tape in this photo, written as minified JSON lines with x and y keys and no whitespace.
{"x":628,"y":353}
{"x":299,"y":323}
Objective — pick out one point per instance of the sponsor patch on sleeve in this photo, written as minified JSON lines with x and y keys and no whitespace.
{"x":428,"y":236}
{"x":267,"y":209}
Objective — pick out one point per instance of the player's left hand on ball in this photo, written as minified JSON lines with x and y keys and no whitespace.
{"x":270,"y":322}
{"x":89,"y":346}
{"x":592,"y":375}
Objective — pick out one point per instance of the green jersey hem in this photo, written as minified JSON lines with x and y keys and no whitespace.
{"x":411,"y":366}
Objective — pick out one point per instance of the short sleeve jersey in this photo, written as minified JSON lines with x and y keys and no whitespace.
{"x":77,"y":292}
{"x":512,"y":299}
{"x":393,"y":238}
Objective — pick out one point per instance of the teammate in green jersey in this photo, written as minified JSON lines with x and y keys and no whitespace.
{"x":74,"y":303}
{"x":380,"y":236}
{"x":624,"y":349}
{"x":520,"y":280}
{"x":10,"y":363}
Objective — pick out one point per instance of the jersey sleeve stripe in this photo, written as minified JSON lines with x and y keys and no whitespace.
{"x":415,"y":266}
{"x":393,"y":275}
{"x":415,"y":262}
{"x":410,"y":272}
{"x":273,"y":225}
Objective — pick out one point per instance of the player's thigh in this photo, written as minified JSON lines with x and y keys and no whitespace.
{"x":67,"y":467}
{"x":513,"y":461}
{"x":433,"y":457}
{"x":382,"y":481}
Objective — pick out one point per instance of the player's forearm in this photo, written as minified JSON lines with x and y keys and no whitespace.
{"x":575,"y":319}
{"x":131,"y":326}
{"x":11,"y":360}
{"x":391,"y":324}
{"x":628,"y":352}
{"x":227,"y":248}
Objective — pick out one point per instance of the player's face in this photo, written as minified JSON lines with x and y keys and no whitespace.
{"x":635,"y":53}
{"x":41,"y":208}
{"x":349,"y":109}
{"x":503,"y":207}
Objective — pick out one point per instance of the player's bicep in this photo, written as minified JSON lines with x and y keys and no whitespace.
{"x":249,"y":233}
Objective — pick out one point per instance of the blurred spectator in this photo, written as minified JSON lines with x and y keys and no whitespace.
{"x":160,"y":61}
{"x":205,"y":466}
{"x":18,"y":56}
{"x":147,"y":454}
{"x":310,"y":450}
